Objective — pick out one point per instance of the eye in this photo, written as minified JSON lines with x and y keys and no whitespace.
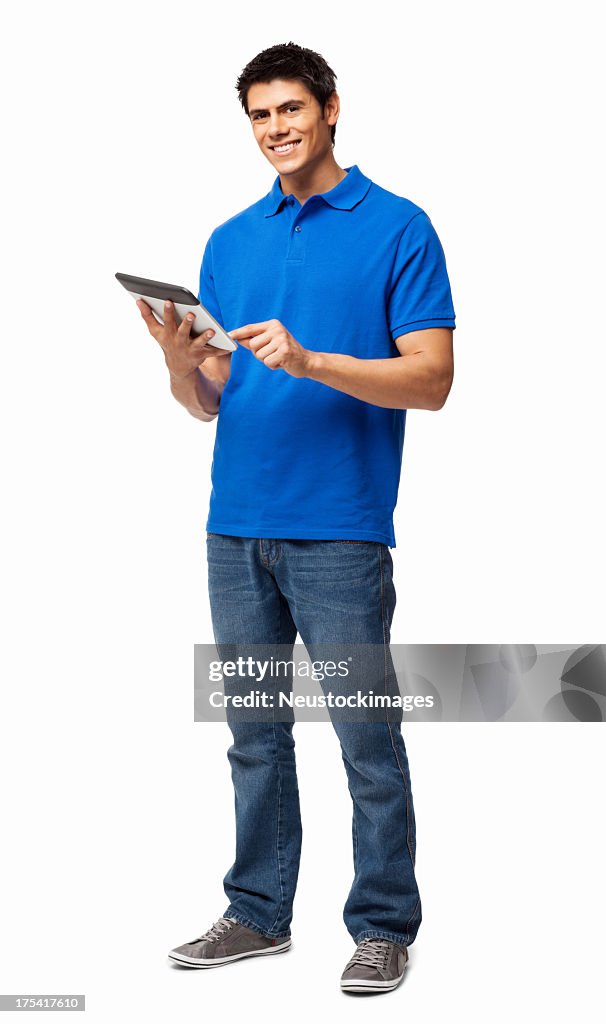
{"x":256,"y":117}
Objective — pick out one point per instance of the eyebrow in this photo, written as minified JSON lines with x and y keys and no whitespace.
{"x":287,"y":103}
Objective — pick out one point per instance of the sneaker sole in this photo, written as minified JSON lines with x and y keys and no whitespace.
{"x":191,"y":961}
{"x":370,"y":986}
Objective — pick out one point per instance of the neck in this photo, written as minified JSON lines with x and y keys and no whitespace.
{"x":313,"y":179}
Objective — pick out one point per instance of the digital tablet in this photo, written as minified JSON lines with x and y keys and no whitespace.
{"x":156,"y":293}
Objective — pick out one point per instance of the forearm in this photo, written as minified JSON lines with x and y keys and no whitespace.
{"x":198,"y":394}
{"x":400,"y":382}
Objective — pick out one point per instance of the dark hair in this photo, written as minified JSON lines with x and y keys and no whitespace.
{"x":290,"y":61}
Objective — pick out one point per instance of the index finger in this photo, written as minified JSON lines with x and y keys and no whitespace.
{"x":249,"y":330}
{"x":143,"y":307}
{"x":241,"y":341}
{"x":148,"y":315}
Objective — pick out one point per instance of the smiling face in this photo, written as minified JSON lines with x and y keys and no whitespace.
{"x":288,"y":124}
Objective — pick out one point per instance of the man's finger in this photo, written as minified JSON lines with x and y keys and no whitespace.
{"x":241,"y":341}
{"x":260,"y":341}
{"x":200,"y":342}
{"x":169,"y":314}
{"x":185,"y":327}
{"x":154,"y":326}
{"x":249,"y":330}
{"x":264,"y":350}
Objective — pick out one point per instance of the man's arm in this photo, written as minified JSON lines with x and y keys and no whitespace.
{"x":200,"y":391}
{"x":420,"y":378}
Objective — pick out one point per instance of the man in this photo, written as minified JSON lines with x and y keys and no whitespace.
{"x":345,"y":317}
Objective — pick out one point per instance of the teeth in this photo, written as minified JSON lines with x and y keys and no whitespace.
{"x":285,"y":149}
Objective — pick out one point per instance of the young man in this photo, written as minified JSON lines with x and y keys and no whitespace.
{"x":345,"y":318}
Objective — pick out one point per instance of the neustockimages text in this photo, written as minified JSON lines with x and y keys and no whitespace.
{"x":261,"y":699}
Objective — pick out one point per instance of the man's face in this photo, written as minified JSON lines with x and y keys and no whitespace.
{"x":283,"y":111}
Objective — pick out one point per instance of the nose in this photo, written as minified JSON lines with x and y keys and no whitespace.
{"x":277,"y":126}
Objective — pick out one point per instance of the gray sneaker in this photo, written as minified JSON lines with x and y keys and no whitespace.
{"x":376,"y":966}
{"x":226,"y":941}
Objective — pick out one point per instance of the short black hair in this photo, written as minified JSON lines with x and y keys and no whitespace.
{"x":290,"y":61}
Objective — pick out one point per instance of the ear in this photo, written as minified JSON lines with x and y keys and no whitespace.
{"x":332,"y":108}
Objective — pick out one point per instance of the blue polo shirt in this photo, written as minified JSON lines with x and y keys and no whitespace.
{"x":348,"y":271}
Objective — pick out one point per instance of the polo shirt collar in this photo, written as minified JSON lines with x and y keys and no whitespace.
{"x":344,"y":196}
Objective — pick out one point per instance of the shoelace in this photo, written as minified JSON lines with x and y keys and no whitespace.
{"x":372,"y":953}
{"x":217,"y":930}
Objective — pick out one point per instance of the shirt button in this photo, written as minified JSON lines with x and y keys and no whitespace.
{"x":298,"y":227}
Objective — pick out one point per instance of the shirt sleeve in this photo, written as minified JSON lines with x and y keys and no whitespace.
{"x":419,"y":294}
{"x":207,"y":294}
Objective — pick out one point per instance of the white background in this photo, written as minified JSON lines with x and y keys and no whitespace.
{"x":125,"y":145}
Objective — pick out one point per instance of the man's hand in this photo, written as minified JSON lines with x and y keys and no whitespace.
{"x":183,"y":354}
{"x":274,"y":346}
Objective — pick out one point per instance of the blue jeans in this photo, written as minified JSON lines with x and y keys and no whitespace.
{"x":265,"y":592}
